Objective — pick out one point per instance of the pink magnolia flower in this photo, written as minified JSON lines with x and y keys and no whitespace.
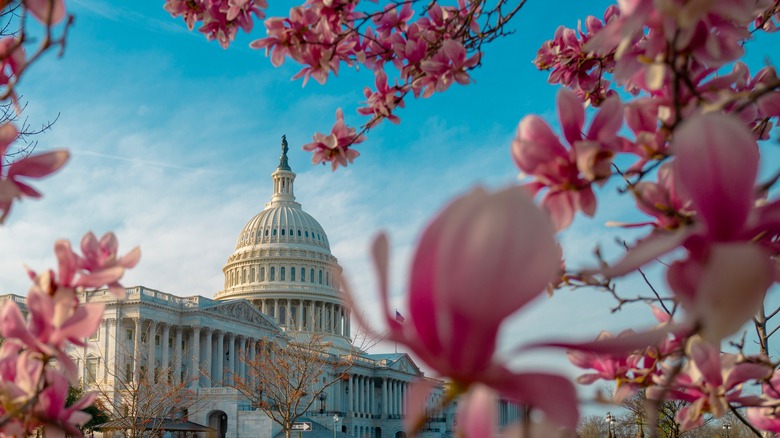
{"x":567,"y":174}
{"x":473,"y":267}
{"x":715,"y":167}
{"x":12,"y":186}
{"x":336,"y":147}
{"x":710,"y":381}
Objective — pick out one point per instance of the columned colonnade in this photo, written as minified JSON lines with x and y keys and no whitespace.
{"x":376,"y":397}
{"x":308,"y":315}
{"x":193,"y":355}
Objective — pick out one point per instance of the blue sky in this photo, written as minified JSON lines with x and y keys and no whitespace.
{"x":173,"y":140}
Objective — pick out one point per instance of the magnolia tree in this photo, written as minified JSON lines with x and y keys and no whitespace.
{"x":670,"y":98}
{"x":677,"y":119}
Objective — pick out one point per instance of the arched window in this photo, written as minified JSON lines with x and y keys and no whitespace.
{"x":262,"y":273}
{"x":291,"y":232}
{"x":307,"y":234}
{"x":252,"y":274}
{"x":320,"y":276}
{"x":299,"y":233}
{"x":266,"y":231}
{"x":243,"y":275}
{"x":311,"y":275}
{"x":281,"y":274}
{"x":303,"y":275}
{"x":292,"y":274}
{"x":282,"y":231}
{"x":273,"y":274}
{"x":282,"y":313}
{"x":327,"y":278}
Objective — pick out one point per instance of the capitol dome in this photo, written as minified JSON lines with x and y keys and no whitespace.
{"x":282,"y":263}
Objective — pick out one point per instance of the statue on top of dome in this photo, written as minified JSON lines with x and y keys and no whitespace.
{"x":283,"y":165}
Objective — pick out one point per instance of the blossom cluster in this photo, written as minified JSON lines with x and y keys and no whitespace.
{"x":35,"y":369}
{"x":420,"y":55}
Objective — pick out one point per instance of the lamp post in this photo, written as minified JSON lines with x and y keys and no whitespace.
{"x":335,"y":424}
{"x":727,"y":426}
{"x":610,"y":424}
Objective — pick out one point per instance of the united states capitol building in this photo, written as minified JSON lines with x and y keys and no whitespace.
{"x":281,"y":280}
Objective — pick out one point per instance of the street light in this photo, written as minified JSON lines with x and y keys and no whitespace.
{"x":335,"y":424}
{"x":727,"y":426}
{"x":610,"y":424}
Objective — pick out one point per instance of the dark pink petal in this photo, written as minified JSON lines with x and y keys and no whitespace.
{"x":744,"y":372}
{"x":572,"y":115}
{"x":38,"y":165}
{"x":716,"y":164}
{"x":620,"y":345}
{"x":608,"y":120}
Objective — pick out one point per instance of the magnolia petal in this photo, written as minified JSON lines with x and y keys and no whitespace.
{"x":655,"y":245}
{"x":8,"y":134}
{"x":705,"y":357}
{"x":731,"y":289}
{"x":39,"y":165}
{"x":572,"y":115}
{"x":716,"y":165}
{"x":416,"y":405}
{"x":477,"y":415}
{"x":608,"y":120}
{"x":554,"y":395}
{"x":620,"y":345}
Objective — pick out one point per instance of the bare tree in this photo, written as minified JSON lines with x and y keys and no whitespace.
{"x":287,"y":376}
{"x":142,"y":394}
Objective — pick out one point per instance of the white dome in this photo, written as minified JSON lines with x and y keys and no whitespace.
{"x":283,"y":265}
{"x":283,"y":224}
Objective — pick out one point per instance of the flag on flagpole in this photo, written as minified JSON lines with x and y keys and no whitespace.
{"x":398,"y":316}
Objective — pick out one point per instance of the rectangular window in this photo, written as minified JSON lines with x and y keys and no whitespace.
{"x":143,"y":338}
{"x":129,"y":334}
{"x":129,"y":370}
{"x":170,"y":342}
{"x":157,"y":340}
{"x":92,"y":367}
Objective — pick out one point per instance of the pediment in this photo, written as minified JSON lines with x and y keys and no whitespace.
{"x":243,"y":311}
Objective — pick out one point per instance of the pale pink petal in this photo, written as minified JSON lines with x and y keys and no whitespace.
{"x":416,"y":404}
{"x":619,"y":345}
{"x":706,"y":358}
{"x":554,"y":395}
{"x":652,"y":247}
{"x":716,"y":164}
{"x":130,"y":259}
{"x":47,"y":11}
{"x":732,"y":288}
{"x":477,"y":415}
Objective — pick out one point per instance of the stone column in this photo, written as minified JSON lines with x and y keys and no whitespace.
{"x":165,"y":363}
{"x":178,"y":359}
{"x":312,"y":317}
{"x":321,"y":317}
{"x":233,"y":356}
{"x":107,"y":348}
{"x":195,"y":367}
{"x":137,"y":350}
{"x":276,"y":311}
{"x":209,"y":358}
{"x":252,"y":358}
{"x":383,"y":412}
{"x":351,"y":396}
{"x":150,"y":339}
{"x":220,"y":359}
{"x":360,"y":395}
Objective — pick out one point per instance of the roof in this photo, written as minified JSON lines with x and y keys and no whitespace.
{"x":154,"y":424}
